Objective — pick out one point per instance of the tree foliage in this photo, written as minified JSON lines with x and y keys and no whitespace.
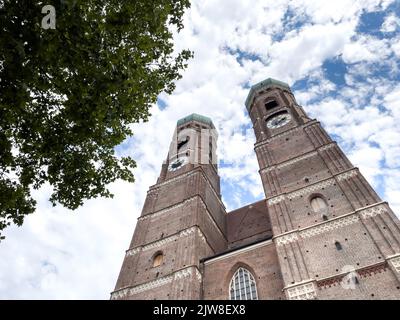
{"x":68,"y":95}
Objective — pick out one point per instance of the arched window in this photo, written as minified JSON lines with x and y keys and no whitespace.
{"x":158,"y":259}
{"x":319,"y":205}
{"x":243,"y":286}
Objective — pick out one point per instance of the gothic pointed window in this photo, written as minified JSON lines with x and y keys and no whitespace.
{"x":243,"y":286}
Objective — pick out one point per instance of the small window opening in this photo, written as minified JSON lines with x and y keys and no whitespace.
{"x":338,"y":245}
{"x":158,"y":259}
{"x":319,"y":205}
{"x":270,"y":105}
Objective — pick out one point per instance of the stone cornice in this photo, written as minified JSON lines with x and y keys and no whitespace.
{"x":363,"y":271}
{"x":168,"y":209}
{"x":304,"y":290}
{"x":343,"y":175}
{"x":298,"y":158}
{"x":238,"y":251}
{"x":158,"y":243}
{"x":171,"y":208}
{"x":177,"y":275}
{"x":282,"y":134}
{"x":395,"y":261}
{"x":307,"y":289}
{"x":185,"y":175}
{"x":332,"y":224}
{"x":171,"y":180}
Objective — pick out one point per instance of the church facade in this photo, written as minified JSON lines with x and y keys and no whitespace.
{"x":321,"y":232}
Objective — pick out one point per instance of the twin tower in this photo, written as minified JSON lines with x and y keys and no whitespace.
{"x":321,"y":232}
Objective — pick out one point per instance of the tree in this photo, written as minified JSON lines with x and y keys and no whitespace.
{"x":69,"y":95}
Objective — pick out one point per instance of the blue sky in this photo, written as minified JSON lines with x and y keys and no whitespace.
{"x":341,"y":59}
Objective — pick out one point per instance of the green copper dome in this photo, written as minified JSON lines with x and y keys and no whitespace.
{"x":195,"y":117}
{"x":261,"y":85}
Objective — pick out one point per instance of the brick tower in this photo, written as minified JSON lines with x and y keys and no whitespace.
{"x":182,"y":221}
{"x":321,"y":232}
{"x":334,"y":236}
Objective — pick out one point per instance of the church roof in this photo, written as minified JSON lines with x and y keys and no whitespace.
{"x":248,"y":224}
{"x":195,"y":117}
{"x":261,"y":85}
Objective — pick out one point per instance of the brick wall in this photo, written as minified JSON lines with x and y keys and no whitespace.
{"x":261,"y":261}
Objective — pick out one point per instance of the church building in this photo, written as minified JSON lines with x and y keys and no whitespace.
{"x":321,"y":232}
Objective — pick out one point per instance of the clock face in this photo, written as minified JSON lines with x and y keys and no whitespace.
{"x":177,"y":163}
{"x":279,"y":120}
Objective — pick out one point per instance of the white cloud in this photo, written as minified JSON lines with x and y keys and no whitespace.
{"x":391,"y":23}
{"x":396,"y":47}
{"x":368,"y":160}
{"x":318,"y":87}
{"x":366,"y":48}
{"x":322,"y":12}
{"x":308,"y":48}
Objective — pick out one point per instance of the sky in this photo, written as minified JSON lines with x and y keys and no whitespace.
{"x":341,"y":59}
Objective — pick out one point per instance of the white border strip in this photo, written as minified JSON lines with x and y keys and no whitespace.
{"x":239,"y":251}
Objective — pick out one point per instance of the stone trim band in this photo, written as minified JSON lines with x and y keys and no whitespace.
{"x":299,"y":158}
{"x":306,"y":290}
{"x":185,"y":175}
{"x":282,"y":134}
{"x":395,"y":261}
{"x":314,"y":187}
{"x":171,"y":208}
{"x":159,"y":243}
{"x":178,"y":275}
{"x":168,"y":209}
{"x":335,"y":223}
{"x":362,"y":272}
{"x":303,"y":291}
{"x":238,"y":251}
